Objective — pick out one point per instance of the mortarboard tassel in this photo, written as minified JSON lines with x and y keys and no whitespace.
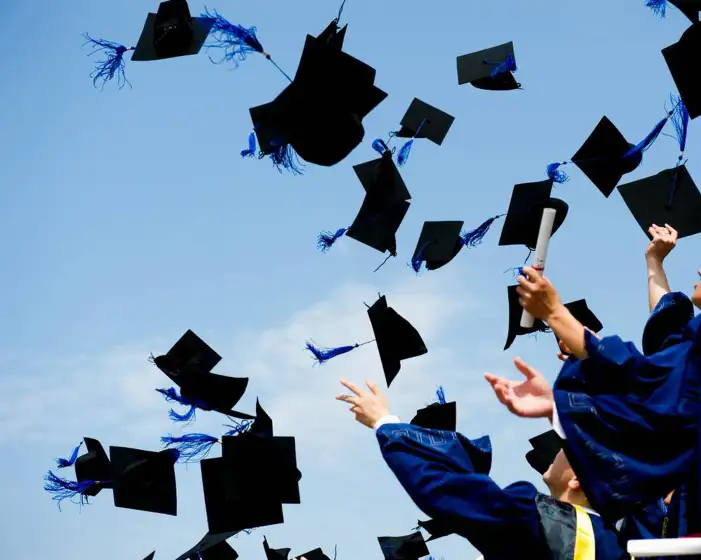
{"x":680,"y":121}
{"x":325,"y":354}
{"x":326,"y":239}
{"x":418,"y":260}
{"x":251,"y":151}
{"x":63,"y":489}
{"x":658,"y":7}
{"x":509,"y":65}
{"x":380,"y":146}
{"x":236,"y":40}
{"x":284,"y":156}
{"x":405,"y":150}
{"x":555,"y":174}
{"x":195,"y":447}
{"x":111,"y":66}
{"x":171,"y":395}
{"x":440,"y":395}
{"x":476,"y":236}
{"x":649,"y":140}
{"x":64,"y":463}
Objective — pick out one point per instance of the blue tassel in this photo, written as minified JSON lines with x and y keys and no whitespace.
{"x":326,"y":239}
{"x":404,"y":151}
{"x":440,"y":395}
{"x":64,"y":463}
{"x":187,"y":417}
{"x":251,"y":151}
{"x":284,"y":157}
{"x":63,"y":489}
{"x":171,"y":395}
{"x":417,"y":261}
{"x":680,"y":121}
{"x":658,"y":7}
{"x":555,"y":174}
{"x":236,"y":40}
{"x":475,"y":237}
{"x":509,"y":65}
{"x":190,"y":447}
{"x":325,"y":354}
{"x":380,"y":146}
{"x":111,"y":66}
{"x":238,"y":428}
{"x":649,"y":140}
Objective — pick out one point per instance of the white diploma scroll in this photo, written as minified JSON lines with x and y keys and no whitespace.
{"x":664,"y":547}
{"x":541,"y":252}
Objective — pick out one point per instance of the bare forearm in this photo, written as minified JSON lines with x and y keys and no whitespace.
{"x":657,"y":284}
{"x":568,"y":330}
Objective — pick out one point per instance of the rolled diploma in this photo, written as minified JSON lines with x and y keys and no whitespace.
{"x":664,"y":547}
{"x":541,"y":252}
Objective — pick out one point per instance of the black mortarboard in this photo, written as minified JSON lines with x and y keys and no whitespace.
{"x":377,"y":223}
{"x":601,"y":157}
{"x":515,"y":313}
{"x":489,"y":69}
{"x":212,"y":547}
{"x":431,"y":123}
{"x":224,"y":515}
{"x":670,"y":197}
{"x":151,"y":556}
{"x":144,"y":480}
{"x":261,"y":467}
{"x":395,"y":337}
{"x":438,"y":244}
{"x":436,"y":528}
{"x":172,"y":32}
{"x":690,"y":8}
{"x":94,"y":465}
{"x":275,"y":553}
{"x":190,"y":354}
{"x":408,"y":547}
{"x":580,"y":311}
{"x":683,"y":63}
{"x":522,"y":221}
{"x":316,"y":554}
{"x":215,"y":392}
{"x":545,"y":447}
{"x":440,"y":415}
{"x":263,"y":424}
{"x":381,"y":177}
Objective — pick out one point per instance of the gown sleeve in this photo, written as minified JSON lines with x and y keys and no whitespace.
{"x":447,"y":477}
{"x":666,"y":325}
{"x":632,"y":435}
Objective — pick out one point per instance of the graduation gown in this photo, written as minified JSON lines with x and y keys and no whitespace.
{"x":630,"y":420}
{"x":447,"y":477}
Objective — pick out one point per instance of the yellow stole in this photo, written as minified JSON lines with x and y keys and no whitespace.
{"x":584,"y":544}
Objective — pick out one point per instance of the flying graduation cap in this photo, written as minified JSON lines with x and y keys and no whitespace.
{"x":151,"y":556}
{"x":318,"y":116}
{"x":420,"y":121}
{"x":384,"y":207}
{"x":275,"y":553}
{"x":690,"y":8}
{"x":407,"y":547}
{"x":579,"y":310}
{"x":188,"y":364}
{"x":395,"y":337}
{"x":440,"y":242}
{"x":140,"y":480}
{"x":212,"y":547}
{"x":606,"y":155}
{"x":489,"y":69}
{"x":440,"y":415}
{"x":683,"y":63}
{"x":545,"y":447}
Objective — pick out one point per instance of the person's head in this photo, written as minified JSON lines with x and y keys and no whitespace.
{"x":696,"y":296}
{"x":563,"y":482}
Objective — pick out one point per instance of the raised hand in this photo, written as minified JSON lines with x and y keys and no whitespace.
{"x":367,"y":407}
{"x":664,"y":239}
{"x":530,"y":398}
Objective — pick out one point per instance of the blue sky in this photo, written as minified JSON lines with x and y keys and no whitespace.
{"x":127,"y":217}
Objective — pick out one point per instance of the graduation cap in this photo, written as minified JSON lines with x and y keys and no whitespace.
{"x":579,"y":310}
{"x":545,"y":447}
{"x":93,"y":466}
{"x":224,"y":514}
{"x":683,"y":64}
{"x":690,"y":8}
{"x":383,"y":210}
{"x":194,"y":447}
{"x":316,"y":554}
{"x":522,"y":220}
{"x":489,"y":69}
{"x":395,"y":337}
{"x":440,"y":415}
{"x":319,"y":115}
{"x":212,"y":547}
{"x":436,"y":528}
{"x":188,"y":364}
{"x":151,"y":556}
{"x":438,"y":244}
{"x":275,"y":553}
{"x":172,"y":32}
{"x":606,"y":155}
{"x":407,"y":547}
{"x":144,"y":480}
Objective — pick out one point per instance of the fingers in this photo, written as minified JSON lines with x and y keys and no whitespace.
{"x":348,"y":399}
{"x":373,"y":388}
{"x":672,"y":231}
{"x":348,"y":385}
{"x":525,"y":369}
{"x":562,"y":357}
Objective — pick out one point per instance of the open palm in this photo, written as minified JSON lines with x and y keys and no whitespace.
{"x":530,"y":398}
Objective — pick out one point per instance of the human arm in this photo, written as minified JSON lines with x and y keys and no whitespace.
{"x":663,"y":241}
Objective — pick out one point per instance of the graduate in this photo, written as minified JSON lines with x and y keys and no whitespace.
{"x":629,"y":420}
{"x":446,"y":475}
